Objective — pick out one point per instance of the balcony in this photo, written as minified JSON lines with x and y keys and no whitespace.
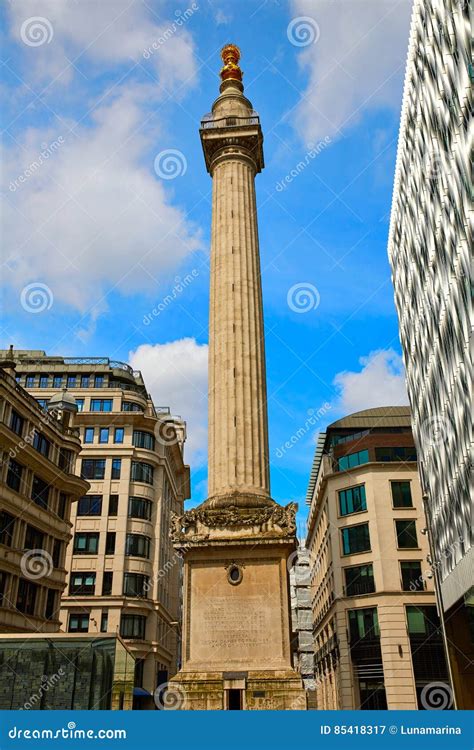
{"x":208,"y":122}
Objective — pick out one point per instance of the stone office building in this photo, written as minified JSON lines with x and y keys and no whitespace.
{"x":123,"y":574}
{"x":377,"y":638}
{"x":38,"y":490}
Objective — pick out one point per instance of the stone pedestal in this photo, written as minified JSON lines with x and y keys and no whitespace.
{"x":236,"y":638}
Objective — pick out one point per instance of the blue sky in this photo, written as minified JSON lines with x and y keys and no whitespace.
{"x":90,"y":216}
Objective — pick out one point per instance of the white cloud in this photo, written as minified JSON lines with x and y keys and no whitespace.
{"x":380,"y":382}
{"x":112,"y":32}
{"x":356,"y":63}
{"x":175,"y":374}
{"x":94,"y":215}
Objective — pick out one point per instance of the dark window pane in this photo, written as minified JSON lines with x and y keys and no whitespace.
{"x":110,"y":543}
{"x":353,"y":459}
{"x":116,"y":468}
{"x":89,"y":505}
{"x":139,"y":507}
{"x":86,"y":543}
{"x":401,"y":495}
{"x":133,"y":626}
{"x":82,"y":584}
{"x":14,"y":474}
{"x":363,"y":623}
{"x":143,"y":440}
{"x":93,"y":468}
{"x":41,"y":444}
{"x":352,"y":500}
{"x":26,"y":597}
{"x":7,"y":528}
{"x":355,"y":539}
{"x":107,"y":581}
{"x":113,"y":505}
{"x":78,"y":623}
{"x":16,"y":423}
{"x":135,"y":584}
{"x":412,"y":578}
{"x":137,"y":545}
{"x":141,"y":472}
{"x":406,"y":534}
{"x":40,"y":492}
{"x":359,"y":580}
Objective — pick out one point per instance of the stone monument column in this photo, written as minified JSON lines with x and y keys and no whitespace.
{"x":236,"y":624}
{"x":238,"y":434}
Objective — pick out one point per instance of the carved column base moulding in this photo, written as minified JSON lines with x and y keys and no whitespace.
{"x":207,"y":524}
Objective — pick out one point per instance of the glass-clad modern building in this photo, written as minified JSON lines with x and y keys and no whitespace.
{"x":60,"y":671}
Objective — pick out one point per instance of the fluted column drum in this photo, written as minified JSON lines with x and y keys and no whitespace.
{"x":238,"y":434}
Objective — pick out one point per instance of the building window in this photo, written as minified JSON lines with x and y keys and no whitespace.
{"x":88,"y":434}
{"x":85,"y":381}
{"x":412,"y":578}
{"x":62,"y":505}
{"x":355,"y":539}
{"x":107,"y":580}
{"x":137,"y":545}
{"x":143,"y":440}
{"x":104,"y":435}
{"x":41,"y":444}
{"x":141,"y":472}
{"x":395,"y":454}
{"x":16,"y":423}
{"x":43,"y":381}
{"x":86,"y":543}
{"x":104,"y":621}
{"x":78,"y":623}
{"x":7,"y":528}
{"x":3,"y":586}
{"x":118,"y":435}
{"x":138,"y":676}
{"x":353,"y":459}
{"x":80,"y":404}
{"x":89,"y":505}
{"x":352,"y":500}
{"x":26,"y":598}
{"x":14,"y":473}
{"x":401,"y":495}
{"x":93,"y":468}
{"x":363,"y":624}
{"x":101,"y":404}
{"x":133,"y":626}
{"x":57,"y":553}
{"x":65,"y":460}
{"x":423,"y":621}
{"x":110,"y":543}
{"x":406,"y":534}
{"x":40,"y":492}
{"x":34,"y":538}
{"x":30,"y":381}
{"x":359,"y":580}
{"x":135,"y":584}
{"x":82,"y":583}
{"x":99,"y":381}
{"x":71,"y":381}
{"x":113,"y":505}
{"x":50,"y":608}
{"x":57,"y":381}
{"x":116,"y":468}
{"x":131,"y":406}
{"x":139,"y":507}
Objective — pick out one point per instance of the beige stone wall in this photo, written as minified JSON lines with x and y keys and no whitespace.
{"x":328,"y":576}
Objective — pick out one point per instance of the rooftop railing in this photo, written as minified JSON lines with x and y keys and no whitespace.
{"x":229,"y":122}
